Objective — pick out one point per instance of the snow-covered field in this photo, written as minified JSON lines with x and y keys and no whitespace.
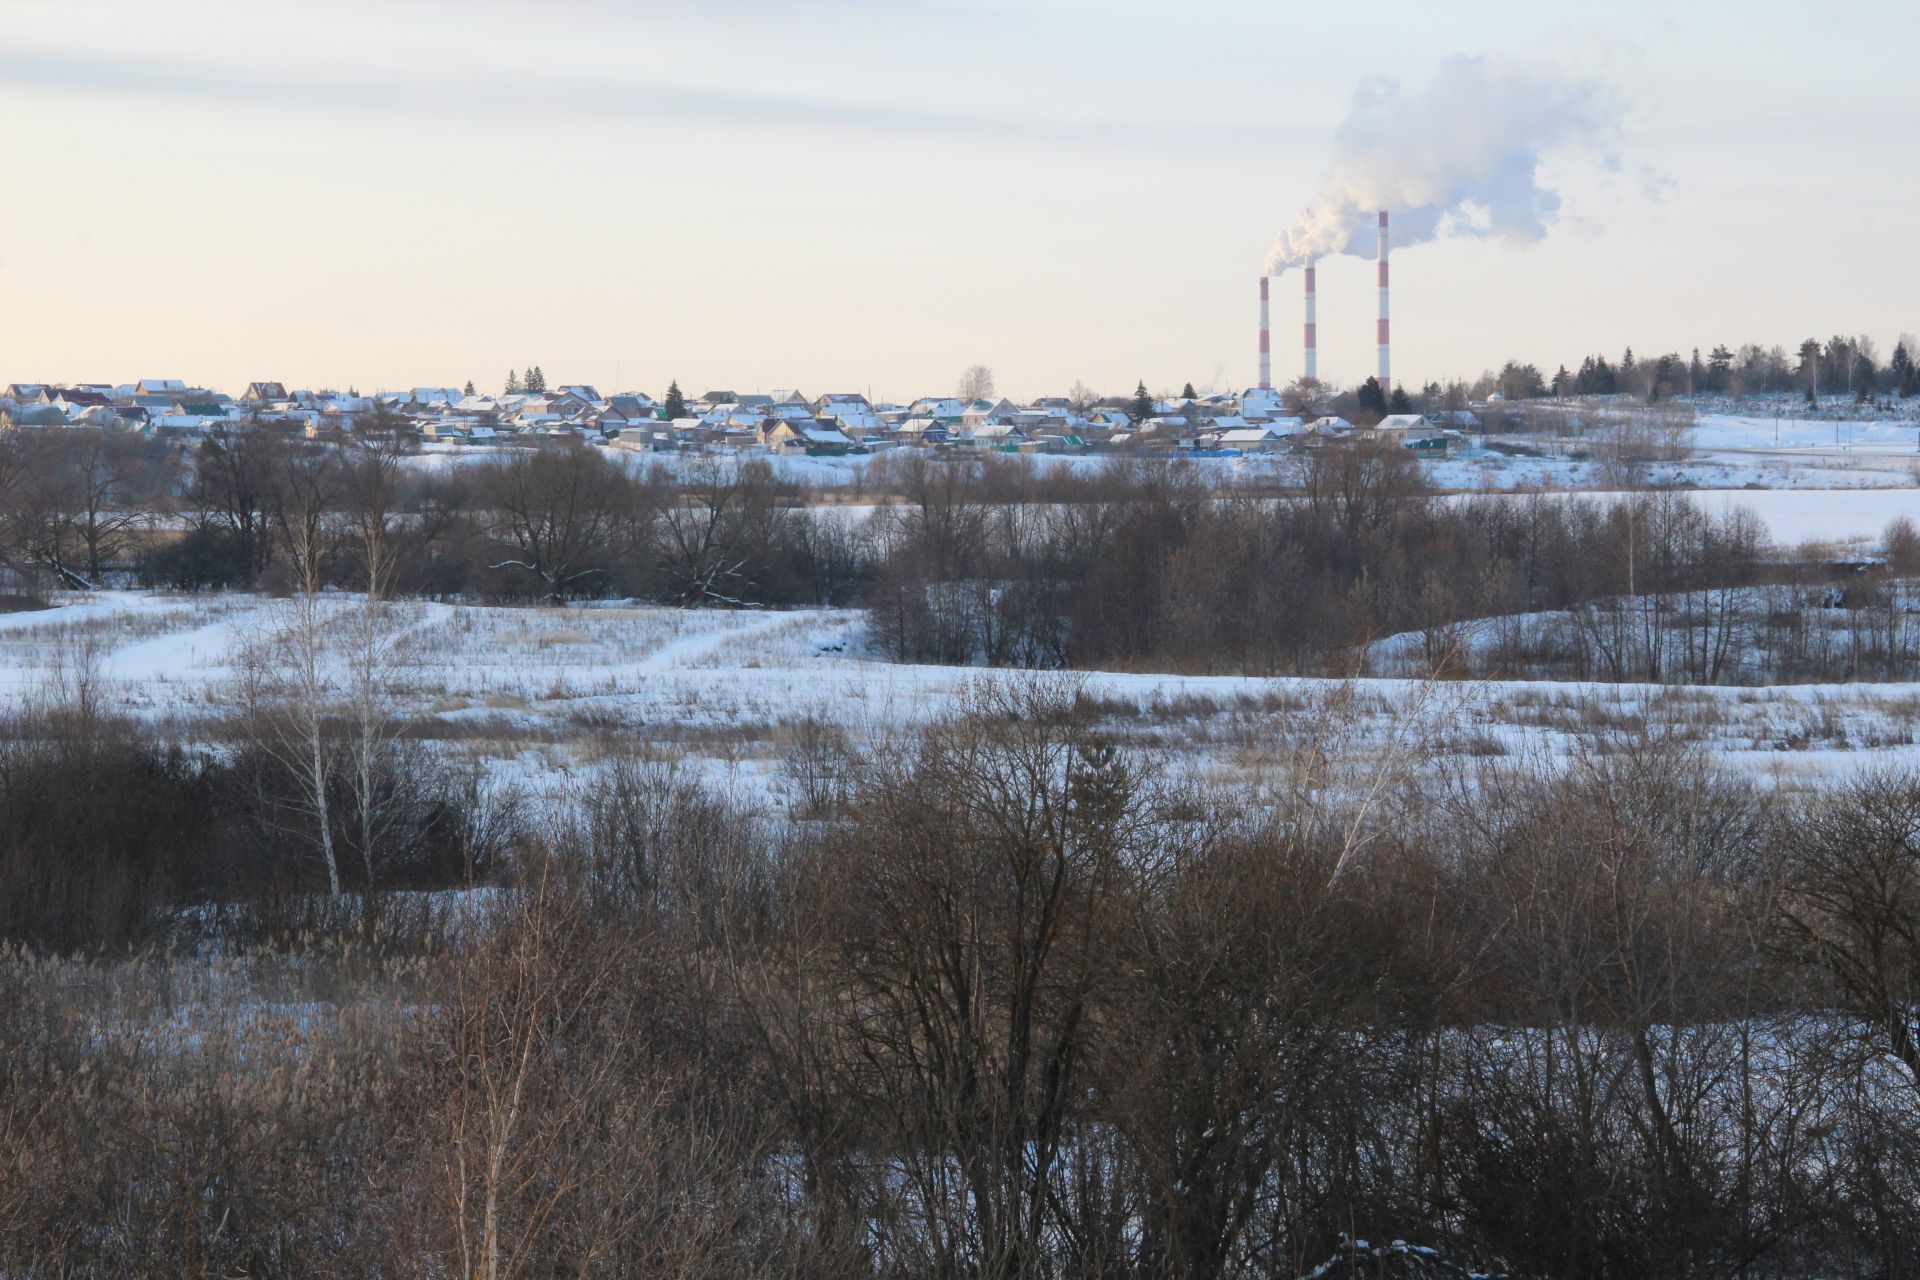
{"x":539,"y":695}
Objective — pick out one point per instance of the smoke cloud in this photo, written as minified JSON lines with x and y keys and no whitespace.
{"x":1459,"y":157}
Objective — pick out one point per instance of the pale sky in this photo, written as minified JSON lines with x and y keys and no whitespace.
{"x":873,"y":194}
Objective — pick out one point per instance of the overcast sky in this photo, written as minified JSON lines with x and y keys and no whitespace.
{"x":872,"y":194}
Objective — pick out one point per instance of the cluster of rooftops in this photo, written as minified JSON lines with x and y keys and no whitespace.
{"x":785,"y":420}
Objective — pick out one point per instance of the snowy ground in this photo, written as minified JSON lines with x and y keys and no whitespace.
{"x":541,"y":695}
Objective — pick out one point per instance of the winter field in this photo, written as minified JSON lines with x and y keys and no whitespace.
{"x":538,"y":697}
{"x":681,"y":754}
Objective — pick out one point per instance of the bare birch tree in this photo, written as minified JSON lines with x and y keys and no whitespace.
{"x":287,"y":681}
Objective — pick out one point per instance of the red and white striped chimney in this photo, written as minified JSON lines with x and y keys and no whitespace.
{"x":1266,"y":342}
{"x":1386,"y":362}
{"x":1313,"y":340}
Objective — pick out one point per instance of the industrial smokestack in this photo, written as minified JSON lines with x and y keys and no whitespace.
{"x":1266,"y":342}
{"x":1313,"y":341}
{"x":1386,"y":362}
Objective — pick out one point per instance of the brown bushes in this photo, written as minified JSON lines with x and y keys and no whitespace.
{"x":1012,"y":1001}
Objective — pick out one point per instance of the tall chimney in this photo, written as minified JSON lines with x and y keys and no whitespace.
{"x":1266,"y":347}
{"x":1313,"y":341}
{"x":1386,"y":362}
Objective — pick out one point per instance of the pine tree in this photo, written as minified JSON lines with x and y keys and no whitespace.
{"x":1142,"y":406}
{"x":1810,"y":368}
{"x":1696,"y":375}
{"x":1605,"y":382}
{"x":1719,"y":368}
{"x":514,"y":385}
{"x":1372,"y":399}
{"x":1188,"y":393}
{"x":1901,"y":367}
{"x":1562,"y":382}
{"x":1399,"y":402}
{"x":536,"y":380}
{"x":468,"y":389}
{"x":676,"y":404}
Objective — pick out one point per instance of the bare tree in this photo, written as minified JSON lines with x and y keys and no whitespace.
{"x":1852,"y":906}
{"x":376,"y":652}
{"x":555,"y":513}
{"x":715,"y":538}
{"x":288,"y":683}
{"x":232,"y":489}
{"x":974,"y":892}
{"x":976,"y":383}
{"x":77,"y":499}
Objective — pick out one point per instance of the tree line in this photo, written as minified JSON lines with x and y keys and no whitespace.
{"x":1849,"y":365}
{"x":560,"y":523}
{"x":1142,"y":564}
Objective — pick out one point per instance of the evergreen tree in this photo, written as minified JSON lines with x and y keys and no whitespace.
{"x":1901,"y":367}
{"x":675,"y":405}
{"x":1372,"y":399}
{"x":1696,"y":375}
{"x":1141,"y":407}
{"x":1562,"y":381}
{"x":1810,"y":368}
{"x":536,"y":380}
{"x":468,"y":389}
{"x":1188,"y":393}
{"x":1583,"y":382}
{"x":1666,"y":377}
{"x":1521,"y":381}
{"x":514,"y":385}
{"x":1399,"y":402}
{"x":1719,"y":369}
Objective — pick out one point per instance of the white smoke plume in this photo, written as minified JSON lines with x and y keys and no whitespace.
{"x":1459,"y":157}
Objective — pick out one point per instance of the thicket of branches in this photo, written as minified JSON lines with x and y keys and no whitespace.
{"x":541,"y":525}
{"x":1017,"y":1001}
{"x":1147,"y":568}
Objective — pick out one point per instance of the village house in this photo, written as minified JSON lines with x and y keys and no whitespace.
{"x":1395,"y":427}
{"x":805,"y":435}
{"x":1251,"y":439}
{"x":994,"y":435}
